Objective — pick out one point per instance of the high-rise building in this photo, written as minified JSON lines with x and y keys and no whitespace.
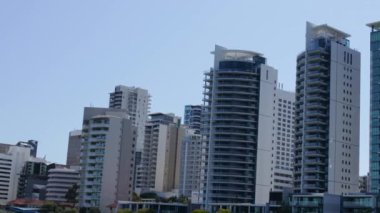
{"x":12,"y":161}
{"x":327,"y":120}
{"x":107,"y":157}
{"x":160,"y":167}
{"x":73,"y":149}
{"x":283,"y":142}
{"x":237,"y":128}
{"x":191,"y":158}
{"x":136,"y":102}
{"x":60,"y":180}
{"x":374,"y":174}
{"x":192,"y":117}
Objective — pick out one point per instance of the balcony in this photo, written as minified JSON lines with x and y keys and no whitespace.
{"x":321,"y":82}
{"x":320,"y":98}
{"x":315,"y":154}
{"x":313,"y":170}
{"x":314,"y":162}
{"x":315,"y":138}
{"x":316,"y":105}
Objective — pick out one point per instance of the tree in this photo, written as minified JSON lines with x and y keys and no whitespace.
{"x":199,"y":211}
{"x":145,"y":210}
{"x":149,"y":195}
{"x":135,"y":197}
{"x":94,"y":210}
{"x":285,"y":208}
{"x":223,"y":211}
{"x":49,"y":206}
{"x":124,"y":211}
{"x":72,"y":194}
{"x":69,"y":211}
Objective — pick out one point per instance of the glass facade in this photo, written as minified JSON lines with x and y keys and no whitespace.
{"x":375,"y":112}
{"x":230,"y":130}
{"x":312,"y":123}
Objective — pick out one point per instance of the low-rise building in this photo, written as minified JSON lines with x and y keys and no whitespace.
{"x":60,"y":180}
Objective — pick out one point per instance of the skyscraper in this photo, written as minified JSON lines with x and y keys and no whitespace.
{"x":191,"y":158}
{"x":192,"y":117}
{"x":73,"y":149}
{"x":237,"y":128}
{"x":136,"y":102}
{"x":107,"y":157}
{"x":374,"y":175}
{"x":327,"y":113}
{"x":160,"y":167}
{"x":283,"y":141}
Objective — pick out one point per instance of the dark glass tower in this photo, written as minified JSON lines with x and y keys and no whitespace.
{"x":327,"y":117}
{"x":239,"y":93}
{"x":375,"y":108}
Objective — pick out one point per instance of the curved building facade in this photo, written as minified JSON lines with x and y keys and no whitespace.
{"x":60,"y":180}
{"x":236,"y":90}
{"x":327,"y":120}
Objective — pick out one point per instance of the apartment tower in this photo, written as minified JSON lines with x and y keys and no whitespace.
{"x":192,"y":117}
{"x":237,"y":128}
{"x":283,"y":141}
{"x":107,"y":157}
{"x":191,"y":158}
{"x":374,"y":175}
{"x":136,"y":102}
{"x":327,"y":119}
{"x":160,"y":167}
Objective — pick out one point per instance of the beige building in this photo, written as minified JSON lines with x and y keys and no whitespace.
{"x":107,"y":157}
{"x":73,"y":149}
{"x":160,"y":168}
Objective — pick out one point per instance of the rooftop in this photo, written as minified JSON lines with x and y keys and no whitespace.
{"x":374,"y":25}
{"x":326,"y":29}
{"x":234,"y":53}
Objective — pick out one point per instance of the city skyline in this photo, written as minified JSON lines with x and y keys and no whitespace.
{"x":50,"y":59}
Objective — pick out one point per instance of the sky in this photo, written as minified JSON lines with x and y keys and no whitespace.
{"x":57,"y":57}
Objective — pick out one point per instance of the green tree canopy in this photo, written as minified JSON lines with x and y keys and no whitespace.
{"x":94,"y":210}
{"x":72,"y":194}
{"x":145,"y":210}
{"x":199,"y":211}
{"x":223,"y":211}
{"x":124,"y":211}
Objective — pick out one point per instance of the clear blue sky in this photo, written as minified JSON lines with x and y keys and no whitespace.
{"x":57,"y":57}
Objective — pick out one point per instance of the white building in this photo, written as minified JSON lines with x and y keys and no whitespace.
{"x":283,"y":141}
{"x":238,"y":128}
{"x":160,"y":168}
{"x":107,"y":157}
{"x":12,"y":160}
{"x":327,"y":113}
{"x":136,"y":102}
{"x":60,"y":180}
{"x":191,"y":158}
